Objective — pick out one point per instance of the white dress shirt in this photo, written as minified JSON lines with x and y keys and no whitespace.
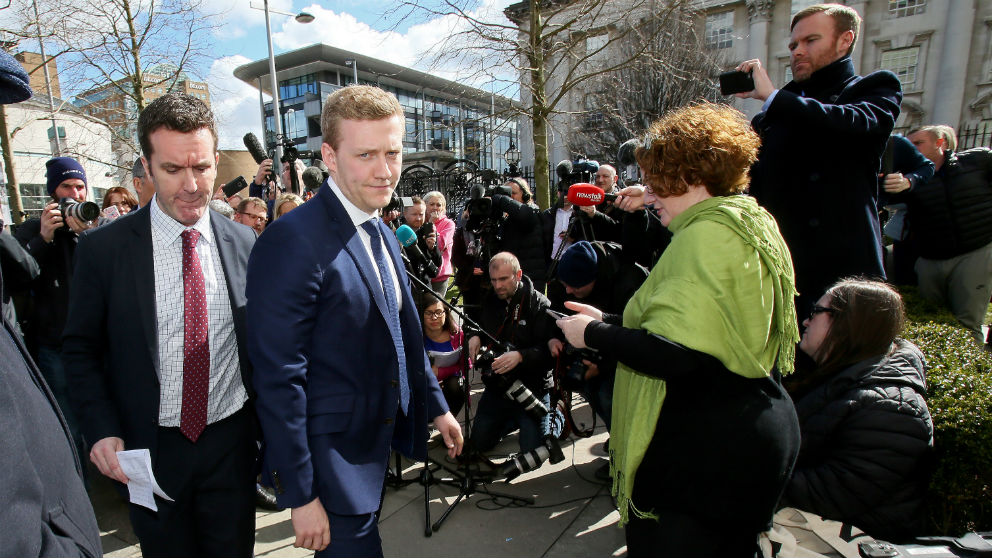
{"x":227,"y":391}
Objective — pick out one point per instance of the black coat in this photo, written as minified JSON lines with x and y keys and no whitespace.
{"x":817,"y":172}
{"x":527,"y":329}
{"x":867,"y":438}
{"x":521,"y":236}
{"x":951,"y":214}
{"x":49,"y":304}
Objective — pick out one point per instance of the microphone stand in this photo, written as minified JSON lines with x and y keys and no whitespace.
{"x":465,"y":480}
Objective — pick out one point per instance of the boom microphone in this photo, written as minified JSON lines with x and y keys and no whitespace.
{"x":255,"y":148}
{"x":313,"y":177}
{"x":625,"y":155}
{"x":585,"y":194}
{"x":564,"y":169}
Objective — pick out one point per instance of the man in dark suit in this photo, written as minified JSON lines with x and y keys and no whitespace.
{"x":45,"y":510}
{"x":822,"y":138}
{"x":154,"y":344}
{"x":335,"y":338}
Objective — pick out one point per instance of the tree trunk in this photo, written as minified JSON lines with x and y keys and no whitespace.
{"x":13,"y":188}
{"x":539,"y":112}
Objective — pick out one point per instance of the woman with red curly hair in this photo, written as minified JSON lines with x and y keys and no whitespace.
{"x":703,"y":436}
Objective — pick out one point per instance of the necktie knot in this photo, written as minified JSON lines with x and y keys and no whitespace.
{"x":372,"y":227}
{"x":190,"y":237}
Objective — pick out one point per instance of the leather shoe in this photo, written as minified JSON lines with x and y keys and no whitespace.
{"x":265,"y":498}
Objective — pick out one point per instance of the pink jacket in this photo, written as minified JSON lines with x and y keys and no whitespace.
{"x":445,"y":228}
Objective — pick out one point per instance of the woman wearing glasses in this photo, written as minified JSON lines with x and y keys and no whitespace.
{"x":866,"y":429}
{"x":703,"y":436}
{"x":442,"y":335}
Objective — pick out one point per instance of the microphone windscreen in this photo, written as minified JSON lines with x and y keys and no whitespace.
{"x":477,"y":192}
{"x":625,"y":155}
{"x":585,"y":194}
{"x":313,"y":177}
{"x":406,"y":236}
{"x":564,"y":168}
{"x":255,"y":148}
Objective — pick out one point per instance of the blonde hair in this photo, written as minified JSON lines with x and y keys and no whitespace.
{"x":940,"y":131}
{"x":284,"y":198}
{"x":355,"y":102}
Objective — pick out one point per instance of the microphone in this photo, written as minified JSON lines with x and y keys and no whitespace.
{"x":255,"y":148}
{"x":313,"y":177}
{"x":406,"y":236}
{"x":625,"y":155}
{"x":408,"y":239}
{"x":585,"y":194}
{"x":564,"y":169}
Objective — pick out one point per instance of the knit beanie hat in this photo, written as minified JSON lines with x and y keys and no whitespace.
{"x":15,"y":86}
{"x":61,"y":169}
{"x":577,"y":266}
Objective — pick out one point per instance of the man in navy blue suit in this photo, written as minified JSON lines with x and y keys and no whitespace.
{"x":335,"y":338}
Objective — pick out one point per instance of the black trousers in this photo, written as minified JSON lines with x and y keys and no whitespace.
{"x":678,"y":535}
{"x":213,"y":485}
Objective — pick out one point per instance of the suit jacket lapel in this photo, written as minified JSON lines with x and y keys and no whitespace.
{"x":346,"y":230}
{"x":139,"y":253}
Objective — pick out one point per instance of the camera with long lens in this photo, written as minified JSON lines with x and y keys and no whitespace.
{"x":82,"y":211}
{"x":520,"y":463}
{"x":515,"y":390}
{"x":480,"y":206}
{"x":574,"y":376}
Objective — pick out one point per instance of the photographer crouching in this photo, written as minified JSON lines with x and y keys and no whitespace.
{"x":515,"y":315}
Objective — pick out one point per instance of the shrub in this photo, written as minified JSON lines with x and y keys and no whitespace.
{"x":959,"y":374}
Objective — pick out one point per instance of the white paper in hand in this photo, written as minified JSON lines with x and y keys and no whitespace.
{"x":141,"y":485}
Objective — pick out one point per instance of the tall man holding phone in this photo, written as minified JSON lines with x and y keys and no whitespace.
{"x":822,"y":137}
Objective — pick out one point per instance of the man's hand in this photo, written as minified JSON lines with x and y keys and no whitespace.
{"x":103,"y":454}
{"x":555,"y":346}
{"x":474,"y":344}
{"x":507,"y":361}
{"x":310,"y":524}
{"x":631,"y":199}
{"x":574,"y":328}
{"x":431,"y":241}
{"x":51,"y":220}
{"x":763,"y":86}
{"x":895,"y":183}
{"x":263,"y":169}
{"x":78,"y":226}
{"x":451,"y":432}
{"x":589,"y":210}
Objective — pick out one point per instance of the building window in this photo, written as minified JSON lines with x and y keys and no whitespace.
{"x":720,"y":30}
{"x":900,"y":8}
{"x":596,"y":50}
{"x":798,"y":5}
{"x":788,"y":73}
{"x":903,"y":62}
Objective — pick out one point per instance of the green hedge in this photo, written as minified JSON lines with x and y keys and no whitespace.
{"x":959,"y":373}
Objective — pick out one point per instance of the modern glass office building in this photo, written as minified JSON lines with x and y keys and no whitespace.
{"x":445,"y":120}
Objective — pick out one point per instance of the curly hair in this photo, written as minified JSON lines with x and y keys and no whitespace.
{"x":705,"y":144}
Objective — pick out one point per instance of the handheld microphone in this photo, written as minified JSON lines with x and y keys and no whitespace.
{"x":564,"y":169}
{"x":255,"y":148}
{"x":313,"y":177}
{"x":585,"y":194}
{"x":406,"y":236}
{"x":625,"y":155}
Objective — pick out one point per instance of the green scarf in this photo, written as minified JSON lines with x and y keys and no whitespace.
{"x":724,"y":287}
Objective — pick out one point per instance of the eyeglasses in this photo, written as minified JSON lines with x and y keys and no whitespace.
{"x":817,"y":309}
{"x":257,"y":218}
{"x":434,"y":315}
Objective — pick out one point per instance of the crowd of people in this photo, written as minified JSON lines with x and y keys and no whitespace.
{"x":727,"y":318}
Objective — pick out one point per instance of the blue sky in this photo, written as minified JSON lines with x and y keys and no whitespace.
{"x":359,"y":26}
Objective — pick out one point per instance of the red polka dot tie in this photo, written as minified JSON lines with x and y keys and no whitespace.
{"x":196,"y":347}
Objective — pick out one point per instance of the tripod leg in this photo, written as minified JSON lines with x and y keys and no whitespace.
{"x":427,"y":498}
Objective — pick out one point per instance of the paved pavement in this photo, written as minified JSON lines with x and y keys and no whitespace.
{"x":572,"y":515}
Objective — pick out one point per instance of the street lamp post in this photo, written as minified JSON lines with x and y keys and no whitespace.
{"x":354,"y":69}
{"x":302,"y":17}
{"x":512,"y":158}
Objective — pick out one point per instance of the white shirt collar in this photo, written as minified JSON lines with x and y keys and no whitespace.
{"x":170,"y":230}
{"x":357,"y":215}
